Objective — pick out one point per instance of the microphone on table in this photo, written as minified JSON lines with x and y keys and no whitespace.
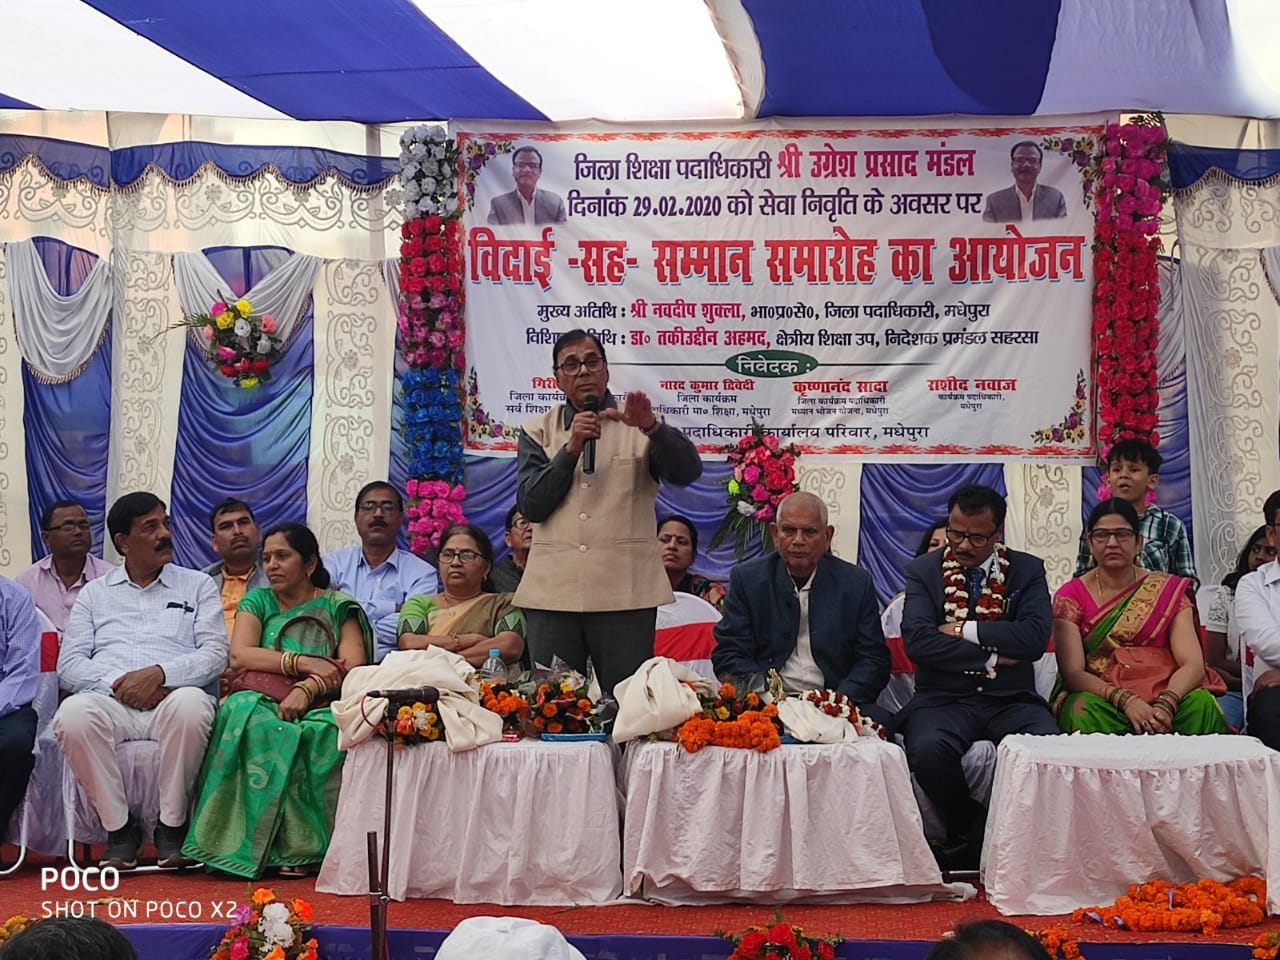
{"x":422,"y":694}
{"x":591,"y":404}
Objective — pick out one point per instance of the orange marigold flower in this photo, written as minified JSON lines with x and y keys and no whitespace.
{"x":302,"y":909}
{"x":548,"y":709}
{"x":554,"y":727}
{"x":262,"y":896}
{"x":727,"y":690}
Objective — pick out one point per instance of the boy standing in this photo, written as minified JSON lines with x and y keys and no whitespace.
{"x":1133,"y":470}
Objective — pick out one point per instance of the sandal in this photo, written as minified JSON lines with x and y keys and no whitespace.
{"x":295,"y":873}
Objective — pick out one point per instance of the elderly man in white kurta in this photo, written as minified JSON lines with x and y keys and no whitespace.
{"x":143,"y":650}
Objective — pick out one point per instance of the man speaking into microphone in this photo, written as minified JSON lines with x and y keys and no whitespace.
{"x":588,"y":479}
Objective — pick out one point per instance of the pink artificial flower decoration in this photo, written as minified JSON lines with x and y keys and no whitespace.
{"x":207,"y":332}
{"x":268,"y":323}
{"x":218,"y":308}
{"x":226,"y":353}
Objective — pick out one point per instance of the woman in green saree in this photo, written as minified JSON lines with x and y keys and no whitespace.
{"x":269,"y":784}
{"x":462,"y":618}
{"x":1129,"y":658}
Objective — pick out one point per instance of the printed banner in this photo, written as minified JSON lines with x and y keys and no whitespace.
{"x":887,"y":293}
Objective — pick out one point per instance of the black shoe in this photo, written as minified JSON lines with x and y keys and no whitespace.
{"x":122,"y":846}
{"x":169,"y":841}
{"x":954,"y":857}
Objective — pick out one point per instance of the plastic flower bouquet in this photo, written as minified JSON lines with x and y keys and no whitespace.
{"x":780,"y":940}
{"x":763,"y":473}
{"x":413,"y":724}
{"x":508,"y":701}
{"x":241,"y":344}
{"x":268,"y":928}
{"x":562,"y":703}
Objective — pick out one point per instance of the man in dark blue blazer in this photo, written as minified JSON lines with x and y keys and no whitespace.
{"x":975,"y":620}
{"x":810,"y":616}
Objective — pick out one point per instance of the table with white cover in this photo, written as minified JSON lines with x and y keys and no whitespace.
{"x":803,"y":822}
{"x":1075,"y":819}
{"x":511,"y":823}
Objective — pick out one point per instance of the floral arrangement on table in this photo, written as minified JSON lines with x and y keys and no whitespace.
{"x":1266,"y":945}
{"x":1132,"y":185}
{"x":1058,"y":942}
{"x":241,"y":344}
{"x":835,"y":704}
{"x":764,"y":471}
{"x":432,"y":337}
{"x":1205,"y":906}
{"x":730,"y":720}
{"x":509,"y":701}
{"x":15,"y":924}
{"x":268,"y":928}
{"x":779,"y":940}
{"x":413,"y":724}
{"x":562,"y":704}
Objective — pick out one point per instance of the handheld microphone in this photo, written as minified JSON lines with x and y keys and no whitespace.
{"x":592,"y":404}
{"x":408,"y":694}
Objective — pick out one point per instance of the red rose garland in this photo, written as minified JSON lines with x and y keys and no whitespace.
{"x":1131,"y":188}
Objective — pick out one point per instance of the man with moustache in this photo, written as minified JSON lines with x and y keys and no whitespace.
{"x":526,"y":204}
{"x":235,"y":537}
{"x":376,"y":572}
{"x":594,"y":580}
{"x":976,"y":618}
{"x":56,"y":580}
{"x":144,"y":647}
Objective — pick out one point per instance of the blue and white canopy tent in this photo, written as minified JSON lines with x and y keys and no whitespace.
{"x":136,"y":134}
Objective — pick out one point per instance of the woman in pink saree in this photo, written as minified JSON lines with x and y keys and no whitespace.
{"x":1129,"y":658}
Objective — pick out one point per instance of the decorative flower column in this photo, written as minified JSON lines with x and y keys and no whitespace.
{"x":432,"y":337}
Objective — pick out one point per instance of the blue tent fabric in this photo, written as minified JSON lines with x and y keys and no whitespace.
{"x":1187,"y":163}
{"x":300,"y":165}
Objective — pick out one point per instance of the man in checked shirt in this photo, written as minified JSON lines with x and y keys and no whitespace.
{"x":143,"y":650}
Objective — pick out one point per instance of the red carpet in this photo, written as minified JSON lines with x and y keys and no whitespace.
{"x":155,"y":898}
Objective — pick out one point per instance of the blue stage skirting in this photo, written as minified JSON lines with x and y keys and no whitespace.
{"x":195,"y":941}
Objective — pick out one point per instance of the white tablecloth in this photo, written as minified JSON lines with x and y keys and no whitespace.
{"x":509,"y":823}
{"x":834,"y":823}
{"x":1075,"y":820}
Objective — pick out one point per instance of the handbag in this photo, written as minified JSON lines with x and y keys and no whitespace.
{"x":276,"y":685}
{"x":1145,"y":672}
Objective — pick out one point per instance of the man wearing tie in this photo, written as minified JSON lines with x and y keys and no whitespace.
{"x":976,"y":618}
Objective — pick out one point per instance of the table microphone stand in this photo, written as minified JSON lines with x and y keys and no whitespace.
{"x":379,"y":875}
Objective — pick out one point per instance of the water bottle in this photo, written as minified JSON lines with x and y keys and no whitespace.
{"x":493,"y":668}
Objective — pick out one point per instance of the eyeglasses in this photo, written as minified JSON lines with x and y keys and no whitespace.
{"x":1122,"y":536}
{"x":70,"y":526}
{"x":466,"y":556}
{"x":525,"y":165}
{"x":979,"y":540}
{"x":520,"y":523}
{"x":573,"y":366}
{"x":378,"y":506}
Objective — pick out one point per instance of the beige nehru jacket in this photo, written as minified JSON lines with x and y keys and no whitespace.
{"x":598,"y":550}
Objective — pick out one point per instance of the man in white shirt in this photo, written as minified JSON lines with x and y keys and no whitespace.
{"x":805,"y":613}
{"x":144,"y":647}
{"x":1257,"y":612}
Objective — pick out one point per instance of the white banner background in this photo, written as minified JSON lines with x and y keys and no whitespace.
{"x":840,"y":285}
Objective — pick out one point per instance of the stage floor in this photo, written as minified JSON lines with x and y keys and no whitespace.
{"x":196,"y":897}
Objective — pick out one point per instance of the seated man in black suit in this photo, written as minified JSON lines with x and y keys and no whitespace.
{"x":805,"y":613}
{"x":976,"y":619}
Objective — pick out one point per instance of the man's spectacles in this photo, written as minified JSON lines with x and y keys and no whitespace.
{"x":1122,"y":536}
{"x":378,"y":506}
{"x":466,"y":556}
{"x":979,"y":540}
{"x":573,"y":366}
{"x":70,"y":526}
{"x":520,"y":523}
{"x":524,"y":165}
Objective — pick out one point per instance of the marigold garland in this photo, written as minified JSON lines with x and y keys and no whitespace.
{"x":1058,"y":942}
{"x":1205,"y":906}
{"x":1266,"y":945}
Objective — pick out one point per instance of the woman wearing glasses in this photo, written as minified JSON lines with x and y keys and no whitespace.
{"x":1129,"y":658}
{"x":462,"y":618}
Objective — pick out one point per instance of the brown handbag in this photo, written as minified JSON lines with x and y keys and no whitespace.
{"x":276,"y":685}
